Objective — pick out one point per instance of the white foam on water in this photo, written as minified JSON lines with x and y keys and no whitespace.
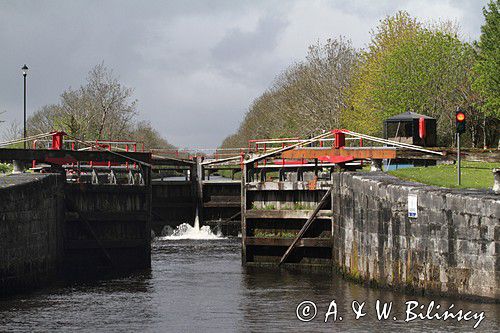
{"x":197,"y":221}
{"x":186,"y":231}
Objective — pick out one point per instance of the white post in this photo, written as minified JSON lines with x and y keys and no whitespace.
{"x":376,"y":166}
{"x":18,"y":166}
{"x":496,"y":181}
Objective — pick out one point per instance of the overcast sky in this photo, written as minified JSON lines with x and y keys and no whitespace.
{"x":195,"y":65}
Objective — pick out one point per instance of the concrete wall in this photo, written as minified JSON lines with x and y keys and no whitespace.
{"x":31,"y":220}
{"x":451,"y":248}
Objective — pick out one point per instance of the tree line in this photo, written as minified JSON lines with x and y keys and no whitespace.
{"x":407,"y":66}
{"x":100,"y":109}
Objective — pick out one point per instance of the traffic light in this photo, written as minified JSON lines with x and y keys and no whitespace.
{"x":460,"y":121}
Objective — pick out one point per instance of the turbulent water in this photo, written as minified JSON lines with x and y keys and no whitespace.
{"x":186,"y":231}
{"x":198,"y":285}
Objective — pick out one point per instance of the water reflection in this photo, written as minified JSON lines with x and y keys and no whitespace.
{"x":99,"y":306}
{"x":199,"y":285}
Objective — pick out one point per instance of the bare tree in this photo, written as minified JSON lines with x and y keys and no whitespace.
{"x":12,"y":132}
{"x":102,"y":108}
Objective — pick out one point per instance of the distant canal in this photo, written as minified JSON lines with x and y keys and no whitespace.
{"x":200,"y":286}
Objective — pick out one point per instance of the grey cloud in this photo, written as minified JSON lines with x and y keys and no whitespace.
{"x":238,"y":44}
{"x":195,"y":65}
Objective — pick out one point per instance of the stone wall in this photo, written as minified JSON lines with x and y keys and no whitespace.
{"x":452,"y":247}
{"x":31,"y":217}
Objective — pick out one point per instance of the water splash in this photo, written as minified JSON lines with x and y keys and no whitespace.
{"x":186,"y":231}
{"x":197,"y":220}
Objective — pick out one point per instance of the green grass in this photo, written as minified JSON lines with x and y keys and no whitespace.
{"x":265,"y":207}
{"x":228,"y":174}
{"x":300,"y":206}
{"x":6,"y":168}
{"x":474,"y":175}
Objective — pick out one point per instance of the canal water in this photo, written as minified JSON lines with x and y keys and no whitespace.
{"x":199,"y":285}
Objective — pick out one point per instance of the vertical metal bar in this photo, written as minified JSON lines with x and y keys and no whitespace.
{"x":282,"y":158}
{"x":244,"y":170}
{"x":256,"y":151}
{"x":458,"y":160}
{"x":126,"y":163}
{"x":242,"y":159}
{"x":33,"y":163}
{"x":24,"y":111}
{"x":361,"y":145}
{"x":91,"y":149}
{"x":135,"y":150}
{"x":265,"y":150}
{"x":109,"y":149}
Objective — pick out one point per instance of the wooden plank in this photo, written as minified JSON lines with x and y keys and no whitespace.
{"x":303,"y":242}
{"x":105,"y":188}
{"x":288,"y":186}
{"x":225,"y":198}
{"x":467,"y":154}
{"x":168,"y":204}
{"x":306,"y":225}
{"x":72,"y":155}
{"x":158,"y":182}
{"x":107,"y":244}
{"x":286,"y":214}
{"x":221,"y":204}
{"x":358,"y":153}
{"x":236,"y":166}
{"x":83,"y":218}
{"x":257,"y":157}
{"x":161,"y":160}
{"x":139,"y":216}
{"x":326,"y":265}
{"x":231,"y":217}
{"x":218,"y":182}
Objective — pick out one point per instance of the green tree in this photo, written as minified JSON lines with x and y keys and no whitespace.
{"x":367,"y":110}
{"x":411,"y":67}
{"x":487,"y":67}
{"x":145,"y":133}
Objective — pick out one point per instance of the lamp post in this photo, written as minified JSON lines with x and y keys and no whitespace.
{"x":25,"y":72}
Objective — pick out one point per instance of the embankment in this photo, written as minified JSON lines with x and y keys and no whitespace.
{"x":50,"y":230}
{"x":451,"y":248}
{"x":31,"y":222}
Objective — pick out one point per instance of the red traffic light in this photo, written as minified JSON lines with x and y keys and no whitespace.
{"x":460,"y":116}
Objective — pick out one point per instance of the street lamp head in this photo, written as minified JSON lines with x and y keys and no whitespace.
{"x":25,"y":69}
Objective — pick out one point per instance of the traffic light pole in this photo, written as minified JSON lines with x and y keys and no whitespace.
{"x":458,"y":159}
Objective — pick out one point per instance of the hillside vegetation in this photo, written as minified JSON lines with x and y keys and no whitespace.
{"x":408,"y":65}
